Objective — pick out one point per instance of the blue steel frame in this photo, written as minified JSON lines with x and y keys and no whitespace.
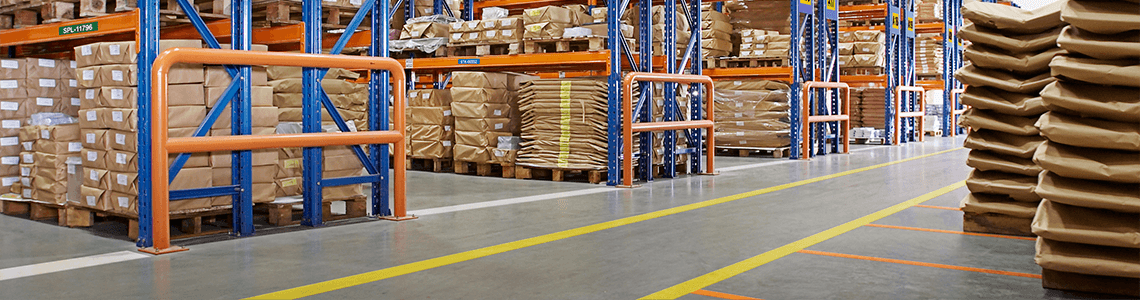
{"x":238,"y":94}
{"x":951,"y":61}
{"x":815,"y":25}
{"x":899,"y":69}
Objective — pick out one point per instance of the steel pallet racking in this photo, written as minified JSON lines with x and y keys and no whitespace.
{"x":951,"y":61}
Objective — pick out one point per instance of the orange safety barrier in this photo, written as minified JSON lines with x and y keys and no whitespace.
{"x":918,"y":115}
{"x":628,"y":127}
{"x":955,"y":101}
{"x":162,"y":145}
{"x":844,"y":116}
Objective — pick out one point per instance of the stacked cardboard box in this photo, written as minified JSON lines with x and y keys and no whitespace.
{"x":427,"y":8}
{"x":1004,"y":82}
{"x":497,"y":31}
{"x":772,"y":15}
{"x":1088,"y":220}
{"x":263,"y":122}
{"x":424,"y":28}
{"x":868,"y":108}
{"x":564,"y":124}
{"x":108,"y":121}
{"x":29,"y":86}
{"x":547,"y":22}
{"x":763,"y":43}
{"x":862,"y":49}
{"x":431,"y":127}
{"x":55,"y":172}
{"x":752,"y":114}
{"x":928,"y":55}
{"x":682,"y":30}
{"x":929,"y":11}
{"x":485,"y":107}
{"x":716,"y":34}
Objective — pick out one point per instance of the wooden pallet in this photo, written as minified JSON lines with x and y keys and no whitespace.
{"x":188,"y":224}
{"x":441,"y":52}
{"x":481,"y":168}
{"x":267,"y":13}
{"x":482,"y":49}
{"x":555,"y":174}
{"x":34,"y":210}
{"x":282,"y":213}
{"x":855,"y":23}
{"x":996,"y":224}
{"x":586,"y":43}
{"x":751,"y":62}
{"x":437,"y":165}
{"x":36,"y":12}
{"x":861,"y":70}
{"x":1068,"y":281}
{"x":748,"y":151}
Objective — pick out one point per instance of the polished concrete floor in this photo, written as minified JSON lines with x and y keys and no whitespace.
{"x":627,"y":261}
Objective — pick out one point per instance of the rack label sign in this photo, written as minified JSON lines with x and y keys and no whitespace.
{"x":805,"y":7}
{"x":469,"y":61}
{"x":910,"y":24}
{"x":79,"y":28}
{"x":831,"y":11}
{"x":893,"y":27}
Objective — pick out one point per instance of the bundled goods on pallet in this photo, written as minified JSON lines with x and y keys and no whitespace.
{"x":52,"y":171}
{"x":862,"y":49}
{"x":431,"y":125}
{"x":564,"y":124}
{"x":264,"y":118}
{"x":929,"y":11}
{"x":485,"y":107}
{"x":547,"y":22}
{"x":928,"y":55}
{"x":29,"y":86}
{"x":351,"y":102}
{"x":771,"y":15}
{"x":108,"y":122}
{"x":764,"y":43}
{"x":716,"y":34}
{"x":1088,"y":221}
{"x":424,"y":34}
{"x":869,"y":106}
{"x":752,"y":114}
{"x":1005,"y":84}
{"x":682,"y":31}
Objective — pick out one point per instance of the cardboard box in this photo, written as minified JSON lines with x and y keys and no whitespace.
{"x":260,"y":157}
{"x":120,"y":97}
{"x":429,"y":97}
{"x":722,"y":45}
{"x":97,"y":178}
{"x":424,"y":30}
{"x":431,"y":149}
{"x":14,"y":108}
{"x":43,"y":87}
{"x":115,"y":53}
{"x":480,"y":110}
{"x":545,"y":30}
{"x":866,"y":60}
{"x":117,"y":75}
{"x":288,"y":167}
{"x":54,"y":147}
{"x":122,"y":161}
{"x":867,"y":48}
{"x":430,"y":115}
{"x":478,"y":80}
{"x":124,"y":182}
{"x":479,"y":95}
{"x":424,"y":132}
{"x":95,"y":198}
{"x":485,"y":124}
{"x":547,"y":14}
{"x":475,"y":138}
{"x":579,"y":14}
{"x":10,"y":146}
{"x":341,"y":162}
{"x":476,"y":154}
{"x":16,"y":68}
{"x":124,"y":118}
{"x":261,"y":174}
{"x":288,"y":186}
{"x":503,"y":156}
{"x":717,"y":26}
{"x":124,"y":203}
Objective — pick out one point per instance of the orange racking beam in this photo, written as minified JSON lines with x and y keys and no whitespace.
{"x":104,"y":25}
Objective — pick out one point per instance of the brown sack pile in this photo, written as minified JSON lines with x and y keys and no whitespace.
{"x":1089,"y":220}
{"x":755,"y":118}
{"x":1009,"y":66}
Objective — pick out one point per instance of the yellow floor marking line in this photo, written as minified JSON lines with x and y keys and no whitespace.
{"x":713,"y":277}
{"x":354,"y":280}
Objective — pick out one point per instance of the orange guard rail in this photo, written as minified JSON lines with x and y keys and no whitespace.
{"x":955,"y":114}
{"x":844,"y":116}
{"x":628,"y":127}
{"x":918,"y":115}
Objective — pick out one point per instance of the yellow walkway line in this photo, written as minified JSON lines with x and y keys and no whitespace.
{"x":713,"y":277}
{"x":354,"y":280}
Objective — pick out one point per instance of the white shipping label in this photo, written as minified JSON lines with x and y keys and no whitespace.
{"x":44,"y":82}
{"x":498,"y":112}
{"x":91,"y":200}
{"x":28,"y":146}
{"x":425,"y":96}
{"x":8,"y":84}
{"x":45,"y":134}
{"x":10,"y":160}
{"x":447,"y":143}
{"x":117,"y":94}
{"x":738,"y":115}
{"x":115,"y":49}
{"x":75,"y":102}
{"x":739,"y":123}
{"x":10,"y":124}
{"x":90,"y":138}
{"x":88,"y":75}
{"x":743,"y":142}
{"x":41,"y":101}
{"x":26,"y":181}
{"x":737,"y":82}
{"x":737,"y":93}
{"x":488,"y":25}
{"x":491,"y":33}
{"x":93,"y":175}
{"x":117,"y":116}
{"x":92,"y":156}
{"x":9,"y":64}
{"x":739,"y":133}
{"x":121,"y":179}
{"x":117,"y":75}
{"x":74,"y":65}
{"x":92,"y":116}
{"x":473,"y":36}
{"x":25,"y":171}
{"x":89,"y":94}
{"x":508,"y":32}
{"x":746,"y":40}
{"x":47,"y":63}
{"x":8,"y":181}
{"x":29,"y":158}
{"x":446,"y":127}
{"x":74,"y":147}
{"x":5,"y":105}
{"x":499,"y":126}
{"x":72,"y":83}
{"x":121,"y":158}
{"x":447,"y":113}
{"x":457,"y":36}
{"x":70,"y":169}
{"x":85,"y":50}
{"x":123,"y":202}
{"x":28,"y":192}
{"x":9,"y":141}
{"x":120,"y":139}
{"x":738,"y":104}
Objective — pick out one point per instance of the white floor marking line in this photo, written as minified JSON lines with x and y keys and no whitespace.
{"x":470,"y":206}
{"x":868,"y":148}
{"x":69,"y":264}
{"x":749,"y":166}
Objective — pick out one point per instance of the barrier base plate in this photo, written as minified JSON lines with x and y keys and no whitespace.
{"x":172,"y":249}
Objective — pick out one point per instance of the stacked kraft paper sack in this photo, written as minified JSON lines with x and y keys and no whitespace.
{"x":486,"y":113}
{"x":108,"y":122}
{"x":263,"y":119}
{"x":48,"y":90}
{"x":431,"y":126}
{"x":564,"y":124}
{"x":752,"y":114}
{"x":349,"y":99}
{"x":1005,"y":76}
{"x":928,"y":55}
{"x":1089,"y":221}
{"x":862,"y":49}
{"x":764,"y":43}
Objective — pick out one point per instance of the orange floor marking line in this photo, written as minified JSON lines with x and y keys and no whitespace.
{"x":923,"y":264}
{"x":954,"y":232}
{"x":939,"y":207}
{"x":723,"y":295}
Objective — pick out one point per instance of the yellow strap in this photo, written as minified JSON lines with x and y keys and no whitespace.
{"x":564,"y":124}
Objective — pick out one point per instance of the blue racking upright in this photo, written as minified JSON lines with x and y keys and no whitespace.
{"x":899,"y":69}
{"x":814,"y":56}
{"x":951,"y":61}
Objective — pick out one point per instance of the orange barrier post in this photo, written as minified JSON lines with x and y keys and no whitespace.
{"x":628,"y":127}
{"x":955,"y":114}
{"x":844,"y":116}
{"x":918,"y":115}
{"x":162,"y":145}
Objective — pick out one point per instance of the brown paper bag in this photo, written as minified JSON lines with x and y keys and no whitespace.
{"x":1003,"y":143}
{"x":1122,"y":197}
{"x":1090,"y":133}
{"x":1012,"y":19}
{"x":1017,"y":187}
{"x":1014,"y":43}
{"x":991,"y":120}
{"x":1003,"y":102}
{"x":1089,"y":163}
{"x":1088,"y":259}
{"x":990,"y":161}
{"x":1117,"y":46}
{"x":997,"y":204}
{"x":1125,"y":72}
{"x":1108,"y":17}
{"x":1066,"y":223}
{"x":1006,"y":81}
{"x":1028,"y":63}
{"x":1090,"y":100}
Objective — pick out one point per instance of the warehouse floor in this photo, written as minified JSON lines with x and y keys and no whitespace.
{"x":784,"y":238}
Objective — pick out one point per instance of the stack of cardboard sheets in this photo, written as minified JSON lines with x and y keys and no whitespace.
{"x":564,"y":123}
{"x":29,"y":86}
{"x":752,"y":114}
{"x":868,"y":107}
{"x":928,"y":55}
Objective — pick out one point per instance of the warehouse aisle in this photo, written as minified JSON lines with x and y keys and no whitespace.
{"x":556,"y":240}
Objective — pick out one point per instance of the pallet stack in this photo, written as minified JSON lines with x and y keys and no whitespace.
{"x":55,"y":171}
{"x":716,"y":34}
{"x":564,"y":123}
{"x":1088,"y":223}
{"x":868,"y":107}
{"x":928,"y":56}
{"x":264,"y":119}
{"x":929,"y":11}
{"x":752,"y":114}
{"x":485,"y":107}
{"x":1004,"y":91}
{"x":431,"y":126}
{"x":861,"y":52}
{"x":681,"y":28}
{"x":483,"y":34}
{"x":29,"y":86}
{"x":547,"y":22}
{"x":770,"y":15}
